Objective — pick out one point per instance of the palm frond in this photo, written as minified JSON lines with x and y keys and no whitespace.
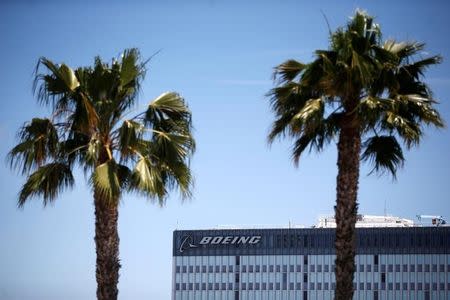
{"x":105,"y":180}
{"x":47,"y":181}
{"x":288,"y":70}
{"x":129,"y":137}
{"x":38,"y":142}
{"x":169,"y":112}
{"x":384,"y":153}
{"x":147,"y":179}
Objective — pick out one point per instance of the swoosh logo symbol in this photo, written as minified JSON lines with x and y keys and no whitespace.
{"x":187,"y":243}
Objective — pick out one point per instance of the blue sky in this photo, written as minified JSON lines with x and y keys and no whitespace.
{"x":219,"y":55}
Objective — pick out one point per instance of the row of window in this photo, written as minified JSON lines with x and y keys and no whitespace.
{"x":312,"y":268}
{"x":311,"y":286}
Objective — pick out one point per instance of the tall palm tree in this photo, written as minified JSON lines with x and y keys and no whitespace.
{"x":90,"y":127}
{"x":368,"y":94}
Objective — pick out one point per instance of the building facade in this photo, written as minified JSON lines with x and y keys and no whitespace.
{"x":257,"y":264}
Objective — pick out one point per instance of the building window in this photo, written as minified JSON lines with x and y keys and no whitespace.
{"x":412,"y":268}
{"x":375,"y":268}
{"x":305,"y":259}
{"x":427,"y":286}
{"x":375,"y":285}
{"x":361,"y":268}
{"x":375,"y":295}
{"x":319,"y":286}
{"x":441,"y":286}
{"x":230,"y":268}
{"x":271,"y":286}
{"x":177,"y":286}
{"x":197,"y":269}
{"x":257,"y":268}
{"x":326,"y":268}
{"x":191,"y":286}
{"x":203,"y":286}
{"x":311,"y":286}
{"x":419,"y":268}
{"x":203,"y":269}
{"x":397,"y":268}
{"x":326,"y":286}
{"x":291,"y":286}
{"x":319,"y":268}
{"x":312,"y":268}
{"x":250,"y":286}
{"x":305,"y":295}
{"x":298,"y":286}
{"x":369,"y":268}
{"x":250,"y":269}
{"x":236,"y":277}
{"x":210,"y":269}
{"x":397,"y":286}
{"x":278,"y":268}
{"x":197,"y":286}
{"x":419,"y":286}
{"x":441,"y":268}
{"x":405,"y":286}
{"x":390,"y":286}
{"x":271,"y":268}
{"x":230,"y":286}
{"x":264,"y":286}
{"x":183,"y":286}
{"x":427,"y":268}
{"x":264,"y":268}
{"x":305,"y":277}
{"x":257,"y":286}
{"x":383,"y":268}
{"x":434,"y":286}
{"x":375,"y":259}
{"x":361,"y":286}
{"x":383,"y":277}
{"x":184,"y":269}
{"x":191,"y":269}
{"x":434,"y":268}
{"x":236,"y":295}
{"x":390,"y":268}
{"x":277,"y":286}
{"x":299,"y":268}
{"x":224,"y":286}
{"x":244,"y":268}
{"x":284,"y":268}
{"x":243,"y":286}
{"x":405,"y":268}
{"x":217,"y":269}
{"x":368,"y":286}
{"x":333,"y":285}
{"x":177,"y":269}
{"x":291,"y":268}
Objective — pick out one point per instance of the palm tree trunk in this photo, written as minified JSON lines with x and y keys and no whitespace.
{"x":349,"y":146}
{"x":107,"y":248}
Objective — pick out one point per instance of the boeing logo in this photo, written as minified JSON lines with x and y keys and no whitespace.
{"x":188,"y":241}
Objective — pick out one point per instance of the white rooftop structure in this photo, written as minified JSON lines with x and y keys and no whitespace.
{"x":364,"y":221}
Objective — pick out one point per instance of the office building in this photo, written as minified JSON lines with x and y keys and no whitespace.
{"x":396,"y":259}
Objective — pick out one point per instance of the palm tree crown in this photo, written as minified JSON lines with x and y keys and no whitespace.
{"x":147,"y":153}
{"x":358,"y":80}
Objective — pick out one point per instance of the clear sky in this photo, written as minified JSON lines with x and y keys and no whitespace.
{"x":219,"y":55}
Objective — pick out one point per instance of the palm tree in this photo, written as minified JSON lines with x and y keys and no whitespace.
{"x":147,"y":153}
{"x":369,"y":95}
